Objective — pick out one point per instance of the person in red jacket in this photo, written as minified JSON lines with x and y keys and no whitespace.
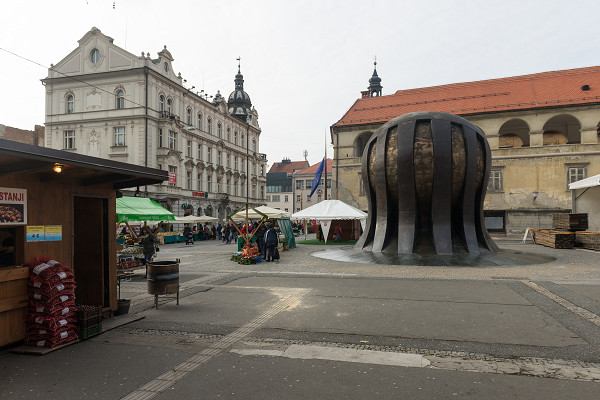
{"x":338,"y":233}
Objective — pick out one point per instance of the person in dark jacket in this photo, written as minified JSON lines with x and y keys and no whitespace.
{"x":271,"y":242}
{"x":148,"y":243}
{"x":260,"y":239}
{"x":188,"y":234}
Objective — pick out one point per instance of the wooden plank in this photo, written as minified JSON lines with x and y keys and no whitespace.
{"x":40,"y":351}
{"x":12,"y":274}
{"x":13,"y":303}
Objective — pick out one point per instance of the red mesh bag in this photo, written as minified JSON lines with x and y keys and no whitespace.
{"x":48,"y":269}
{"x":52,"y":291}
{"x":63,"y":309}
{"x":60,"y":337}
{"x":51,"y":300}
{"x":50,"y":323}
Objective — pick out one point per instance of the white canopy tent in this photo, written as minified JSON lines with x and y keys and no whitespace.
{"x":329,"y":210}
{"x":585,"y":198}
{"x":191,"y":219}
{"x":268,"y":211}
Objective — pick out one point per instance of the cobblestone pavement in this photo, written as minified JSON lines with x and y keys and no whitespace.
{"x":206,"y":265}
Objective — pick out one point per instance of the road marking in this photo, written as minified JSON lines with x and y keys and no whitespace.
{"x":582,"y":312}
{"x":161,"y":383}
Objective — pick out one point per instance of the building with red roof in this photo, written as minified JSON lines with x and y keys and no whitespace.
{"x":542,"y":129}
{"x":280,"y":183}
{"x":303,"y":183}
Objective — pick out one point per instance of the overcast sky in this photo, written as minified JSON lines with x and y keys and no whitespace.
{"x":304,"y":62}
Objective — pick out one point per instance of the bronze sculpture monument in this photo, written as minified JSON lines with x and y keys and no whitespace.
{"x":425,"y":176}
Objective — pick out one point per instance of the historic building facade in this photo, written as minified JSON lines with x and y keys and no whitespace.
{"x":542,"y":129}
{"x":105,"y":102}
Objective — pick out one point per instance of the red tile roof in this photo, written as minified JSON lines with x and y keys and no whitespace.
{"x":288,"y":167}
{"x":313,"y":168}
{"x":546,"y":89}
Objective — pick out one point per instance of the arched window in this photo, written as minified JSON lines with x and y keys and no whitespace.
{"x":169,"y":103}
{"x":120,"y":99}
{"x":219,"y":133}
{"x":70,"y":104}
{"x":188,"y":116}
{"x":199,"y":121}
{"x":95,"y":56}
{"x":209,"y":125}
{"x":161,"y":103}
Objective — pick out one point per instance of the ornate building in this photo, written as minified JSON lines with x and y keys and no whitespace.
{"x":103,"y":101}
{"x":542,"y":129}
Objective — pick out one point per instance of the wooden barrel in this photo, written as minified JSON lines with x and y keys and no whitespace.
{"x":163,"y":277}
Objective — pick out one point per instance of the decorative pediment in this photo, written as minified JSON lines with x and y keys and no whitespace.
{"x":210,"y":168}
{"x":220,"y":144}
{"x":228,"y":173}
{"x":236,"y":175}
{"x":254,"y":180}
{"x":220,"y":171}
{"x":189,"y":164}
{"x":200,"y":165}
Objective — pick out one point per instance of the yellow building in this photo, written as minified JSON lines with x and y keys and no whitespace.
{"x":542,"y":128}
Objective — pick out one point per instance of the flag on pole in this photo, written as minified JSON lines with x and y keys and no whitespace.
{"x":317,"y":180}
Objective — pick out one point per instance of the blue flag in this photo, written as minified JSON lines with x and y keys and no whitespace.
{"x":317,"y":179}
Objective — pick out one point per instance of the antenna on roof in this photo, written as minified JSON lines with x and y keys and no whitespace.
{"x":305,"y":155}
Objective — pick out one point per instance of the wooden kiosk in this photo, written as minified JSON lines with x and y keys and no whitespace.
{"x":67,"y":213}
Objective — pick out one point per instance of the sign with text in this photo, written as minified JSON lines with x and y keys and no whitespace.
{"x":35,"y":233}
{"x":200,"y":194}
{"x":13,"y":206}
{"x":172,"y":178}
{"x":53,"y":233}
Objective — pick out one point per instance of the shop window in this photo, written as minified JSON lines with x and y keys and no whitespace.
{"x":69,"y":139}
{"x":70,"y":104}
{"x":120,"y":99}
{"x":495,"y":183}
{"x":119,"y":134}
{"x":172,"y":140}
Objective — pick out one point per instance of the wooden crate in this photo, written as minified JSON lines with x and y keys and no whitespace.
{"x":570,"y":222}
{"x":588,"y":240}
{"x":554,"y":239}
{"x":13,"y":304}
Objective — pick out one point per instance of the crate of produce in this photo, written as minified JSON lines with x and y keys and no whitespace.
{"x":588,"y":240}
{"x":570,"y":222}
{"x":86,"y":312}
{"x":87,"y":333}
{"x":554,"y":239}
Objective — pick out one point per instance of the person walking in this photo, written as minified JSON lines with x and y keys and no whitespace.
{"x":260,"y":239}
{"x":338,"y":233}
{"x":148,"y":243}
{"x":188,"y":234}
{"x":271,"y":242}
{"x":220,"y":231}
{"x":226,"y":233}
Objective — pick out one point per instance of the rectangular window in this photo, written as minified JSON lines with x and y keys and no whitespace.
{"x":199,"y":151}
{"x":219,"y":186}
{"x":199,"y":182}
{"x":253,"y":169}
{"x":160,"y":138}
{"x":286,"y":198}
{"x":575,"y":173}
{"x":268,"y":198}
{"x":262,"y":170}
{"x":189,"y":180}
{"x":219,"y":157}
{"x":235,"y":163}
{"x":328,"y":183}
{"x":189,"y":148}
{"x":209,"y":155}
{"x":172,"y":140}
{"x":262,"y":192}
{"x":173,"y":170}
{"x":228,"y":161}
{"x":208,"y":184}
{"x":299,"y":184}
{"x":298,"y":209}
{"x":318,"y":198}
{"x":69,"y":140}
{"x":254,"y":191}
{"x":242,"y":189}
{"x":234,"y":190}
{"x":119,"y":134}
{"x":276,"y":198}
{"x":298,"y":198}
{"x":495,"y":182}
{"x":308,"y":183}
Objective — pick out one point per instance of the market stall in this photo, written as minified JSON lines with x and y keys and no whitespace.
{"x":333,"y":210}
{"x":283,"y":221}
{"x":140,"y":210}
{"x":61,"y":206}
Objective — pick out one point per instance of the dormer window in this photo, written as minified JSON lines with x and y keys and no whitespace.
{"x":166,"y":66}
{"x":95,"y":56}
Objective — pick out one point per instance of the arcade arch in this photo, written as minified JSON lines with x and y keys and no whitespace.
{"x":562,"y":129}
{"x":514,"y":133}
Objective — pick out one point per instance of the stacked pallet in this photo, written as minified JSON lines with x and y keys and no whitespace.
{"x":588,"y":240}
{"x":554,"y":239}
{"x":570,"y":222}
